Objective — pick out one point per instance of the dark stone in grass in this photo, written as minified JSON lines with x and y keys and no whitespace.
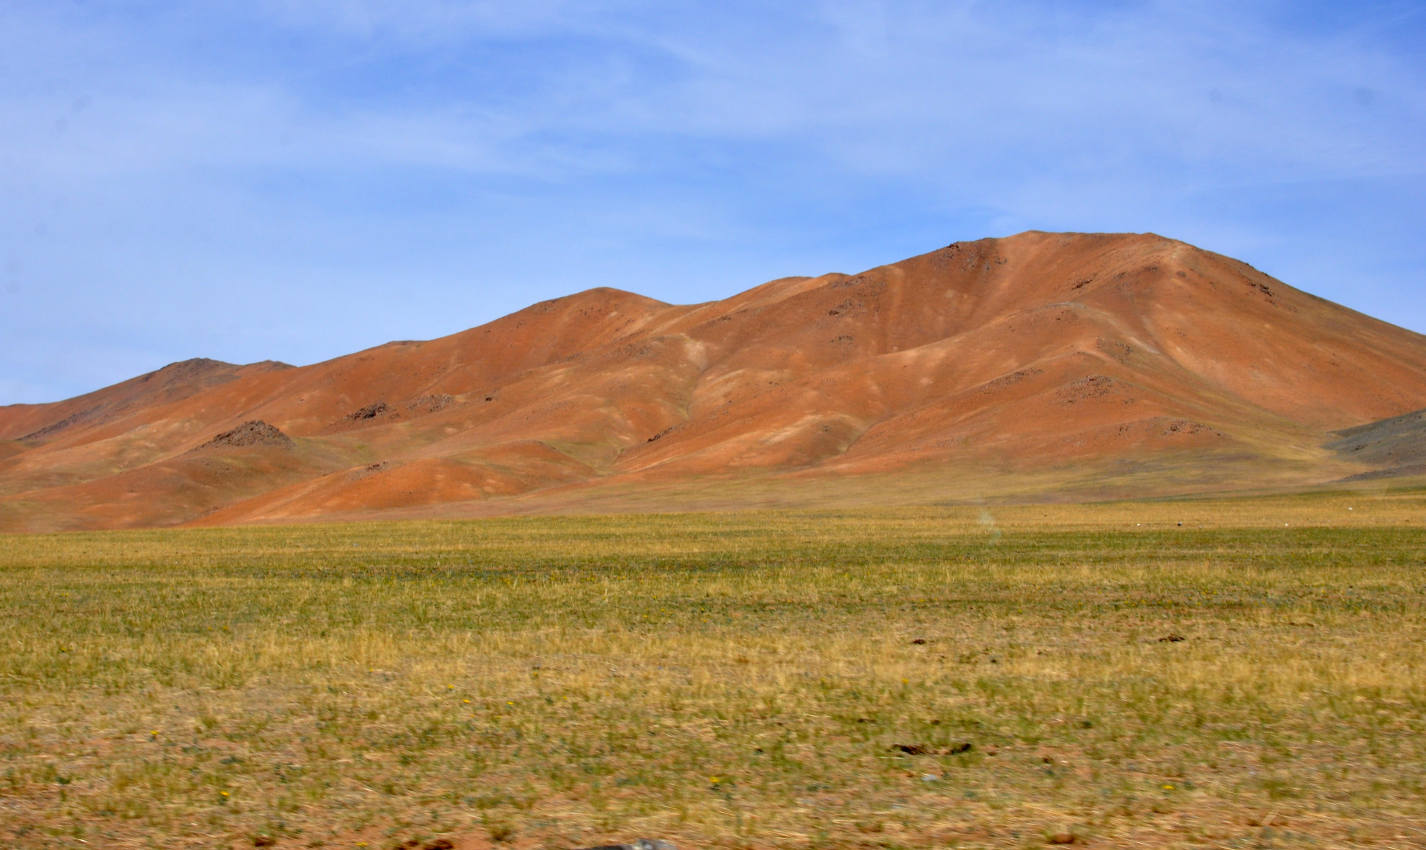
{"x":918,"y":750}
{"x":1172,"y":637}
{"x":919,"y":641}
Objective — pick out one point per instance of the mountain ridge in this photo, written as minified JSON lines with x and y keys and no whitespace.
{"x":1039,"y":364}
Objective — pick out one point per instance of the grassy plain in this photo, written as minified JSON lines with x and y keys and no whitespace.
{"x":1233,"y":673}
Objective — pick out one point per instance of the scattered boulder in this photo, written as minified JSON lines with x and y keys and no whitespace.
{"x":431,"y":403}
{"x":1093,"y":386}
{"x":254,"y":432}
{"x":1187,"y":427}
{"x":371,"y":411}
{"x":1115,"y":349}
{"x":1009,"y":380}
{"x":361,"y":472}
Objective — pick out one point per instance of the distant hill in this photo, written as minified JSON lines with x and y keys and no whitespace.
{"x":1394,"y":446}
{"x":1039,"y":366}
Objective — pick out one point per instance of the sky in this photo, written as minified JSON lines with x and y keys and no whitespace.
{"x":300,"y":179}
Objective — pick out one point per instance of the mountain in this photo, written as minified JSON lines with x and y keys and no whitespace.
{"x":1038,"y":366}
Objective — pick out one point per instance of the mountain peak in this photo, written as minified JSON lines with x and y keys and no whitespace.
{"x":1038,"y":365}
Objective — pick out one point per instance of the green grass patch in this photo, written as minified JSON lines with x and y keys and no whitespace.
{"x":919,"y":677}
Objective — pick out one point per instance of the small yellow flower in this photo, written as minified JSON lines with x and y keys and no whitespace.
{"x":466,"y":701}
{"x":1168,"y":787}
{"x":224,"y":793}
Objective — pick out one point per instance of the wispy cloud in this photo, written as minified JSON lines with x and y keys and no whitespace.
{"x":874,"y":87}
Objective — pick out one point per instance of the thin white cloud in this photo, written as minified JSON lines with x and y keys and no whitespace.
{"x":961,"y":83}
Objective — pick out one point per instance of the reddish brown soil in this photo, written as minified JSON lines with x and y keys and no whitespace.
{"x":1036,"y":366}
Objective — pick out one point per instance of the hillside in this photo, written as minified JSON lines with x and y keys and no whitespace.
{"x":1039,"y":366}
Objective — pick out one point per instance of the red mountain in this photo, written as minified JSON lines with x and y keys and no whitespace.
{"x":1062,"y":366}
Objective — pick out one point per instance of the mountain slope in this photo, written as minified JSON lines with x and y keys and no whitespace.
{"x":1036,"y":366}
{"x":1395,"y":446}
{"x":173,"y":382}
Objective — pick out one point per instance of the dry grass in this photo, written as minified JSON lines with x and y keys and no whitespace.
{"x":728,"y":680}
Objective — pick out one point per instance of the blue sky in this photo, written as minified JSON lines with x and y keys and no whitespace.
{"x":299,"y":179}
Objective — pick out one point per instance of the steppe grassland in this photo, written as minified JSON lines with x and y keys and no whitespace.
{"x":728,"y":680}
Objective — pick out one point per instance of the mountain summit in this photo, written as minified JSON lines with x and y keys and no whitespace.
{"x":1038,"y":366}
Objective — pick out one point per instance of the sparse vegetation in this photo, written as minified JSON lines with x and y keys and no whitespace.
{"x":1010,"y":677}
